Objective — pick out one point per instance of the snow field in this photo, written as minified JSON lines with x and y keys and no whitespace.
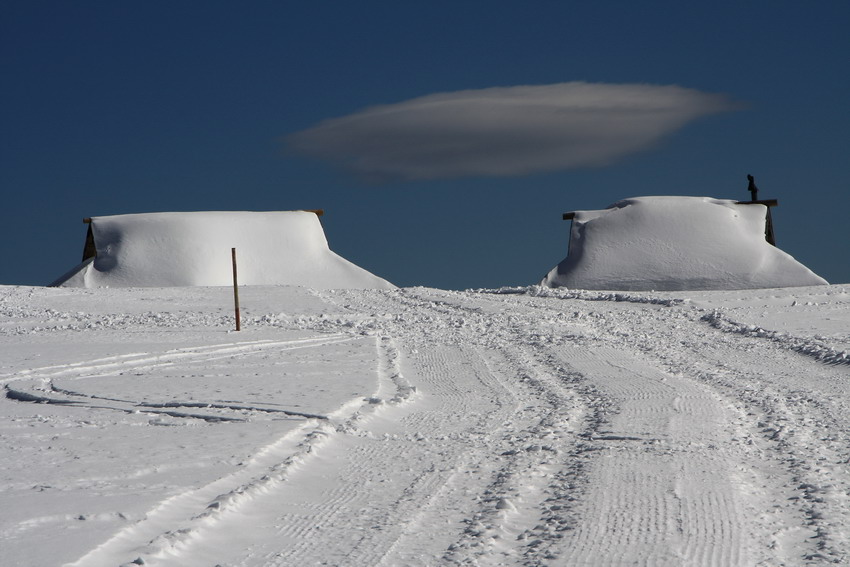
{"x":524,"y":426}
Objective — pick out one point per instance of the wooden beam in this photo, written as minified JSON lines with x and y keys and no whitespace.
{"x":569,"y":216}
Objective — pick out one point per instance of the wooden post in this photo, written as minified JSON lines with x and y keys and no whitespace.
{"x":235,"y":291}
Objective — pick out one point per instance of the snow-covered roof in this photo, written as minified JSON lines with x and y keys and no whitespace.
{"x":675,"y":243}
{"x":194,"y":249}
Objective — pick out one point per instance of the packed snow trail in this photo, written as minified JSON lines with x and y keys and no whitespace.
{"x":523,"y":427}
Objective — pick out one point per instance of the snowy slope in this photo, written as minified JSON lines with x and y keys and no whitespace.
{"x":194,"y":249}
{"x":416,"y":426}
{"x":675,"y":243}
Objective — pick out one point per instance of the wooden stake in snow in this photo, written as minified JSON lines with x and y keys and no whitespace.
{"x":236,"y":291}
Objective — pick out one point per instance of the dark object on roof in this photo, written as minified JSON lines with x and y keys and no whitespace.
{"x":754,"y":191}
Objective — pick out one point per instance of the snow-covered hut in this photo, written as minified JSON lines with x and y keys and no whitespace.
{"x":194,"y":249}
{"x":675,"y":243}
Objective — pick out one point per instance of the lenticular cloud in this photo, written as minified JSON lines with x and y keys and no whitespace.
{"x":506,"y":131}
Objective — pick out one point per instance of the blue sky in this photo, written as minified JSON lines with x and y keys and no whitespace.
{"x":125,"y":107}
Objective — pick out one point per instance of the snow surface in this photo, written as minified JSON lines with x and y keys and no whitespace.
{"x":194,"y":249}
{"x":675,"y":243}
{"x":524,"y":426}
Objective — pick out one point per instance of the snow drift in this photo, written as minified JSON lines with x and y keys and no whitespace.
{"x":193,"y":249}
{"x":675,"y":243}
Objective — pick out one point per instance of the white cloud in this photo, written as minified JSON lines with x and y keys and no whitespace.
{"x":506,"y":131}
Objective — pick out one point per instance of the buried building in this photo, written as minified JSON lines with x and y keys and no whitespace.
{"x":676,"y":243}
{"x":194,"y":249}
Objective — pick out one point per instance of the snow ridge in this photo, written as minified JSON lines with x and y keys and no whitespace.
{"x":585,"y":295}
{"x":807,"y":346}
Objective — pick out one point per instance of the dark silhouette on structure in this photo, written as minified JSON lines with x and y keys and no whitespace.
{"x":754,"y":191}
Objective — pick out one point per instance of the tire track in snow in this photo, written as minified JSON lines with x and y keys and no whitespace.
{"x":393,"y":466}
{"x":800,"y":427}
{"x":518,"y":456}
{"x":793,"y":428}
{"x":653,"y":469}
{"x":469,"y":431}
{"x":644,"y":404}
{"x":535,"y":447}
{"x":788,"y":452}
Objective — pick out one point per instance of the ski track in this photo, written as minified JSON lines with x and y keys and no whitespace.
{"x":38,"y":385}
{"x":137,"y":361}
{"x":170,"y":530}
{"x":522,"y":428}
